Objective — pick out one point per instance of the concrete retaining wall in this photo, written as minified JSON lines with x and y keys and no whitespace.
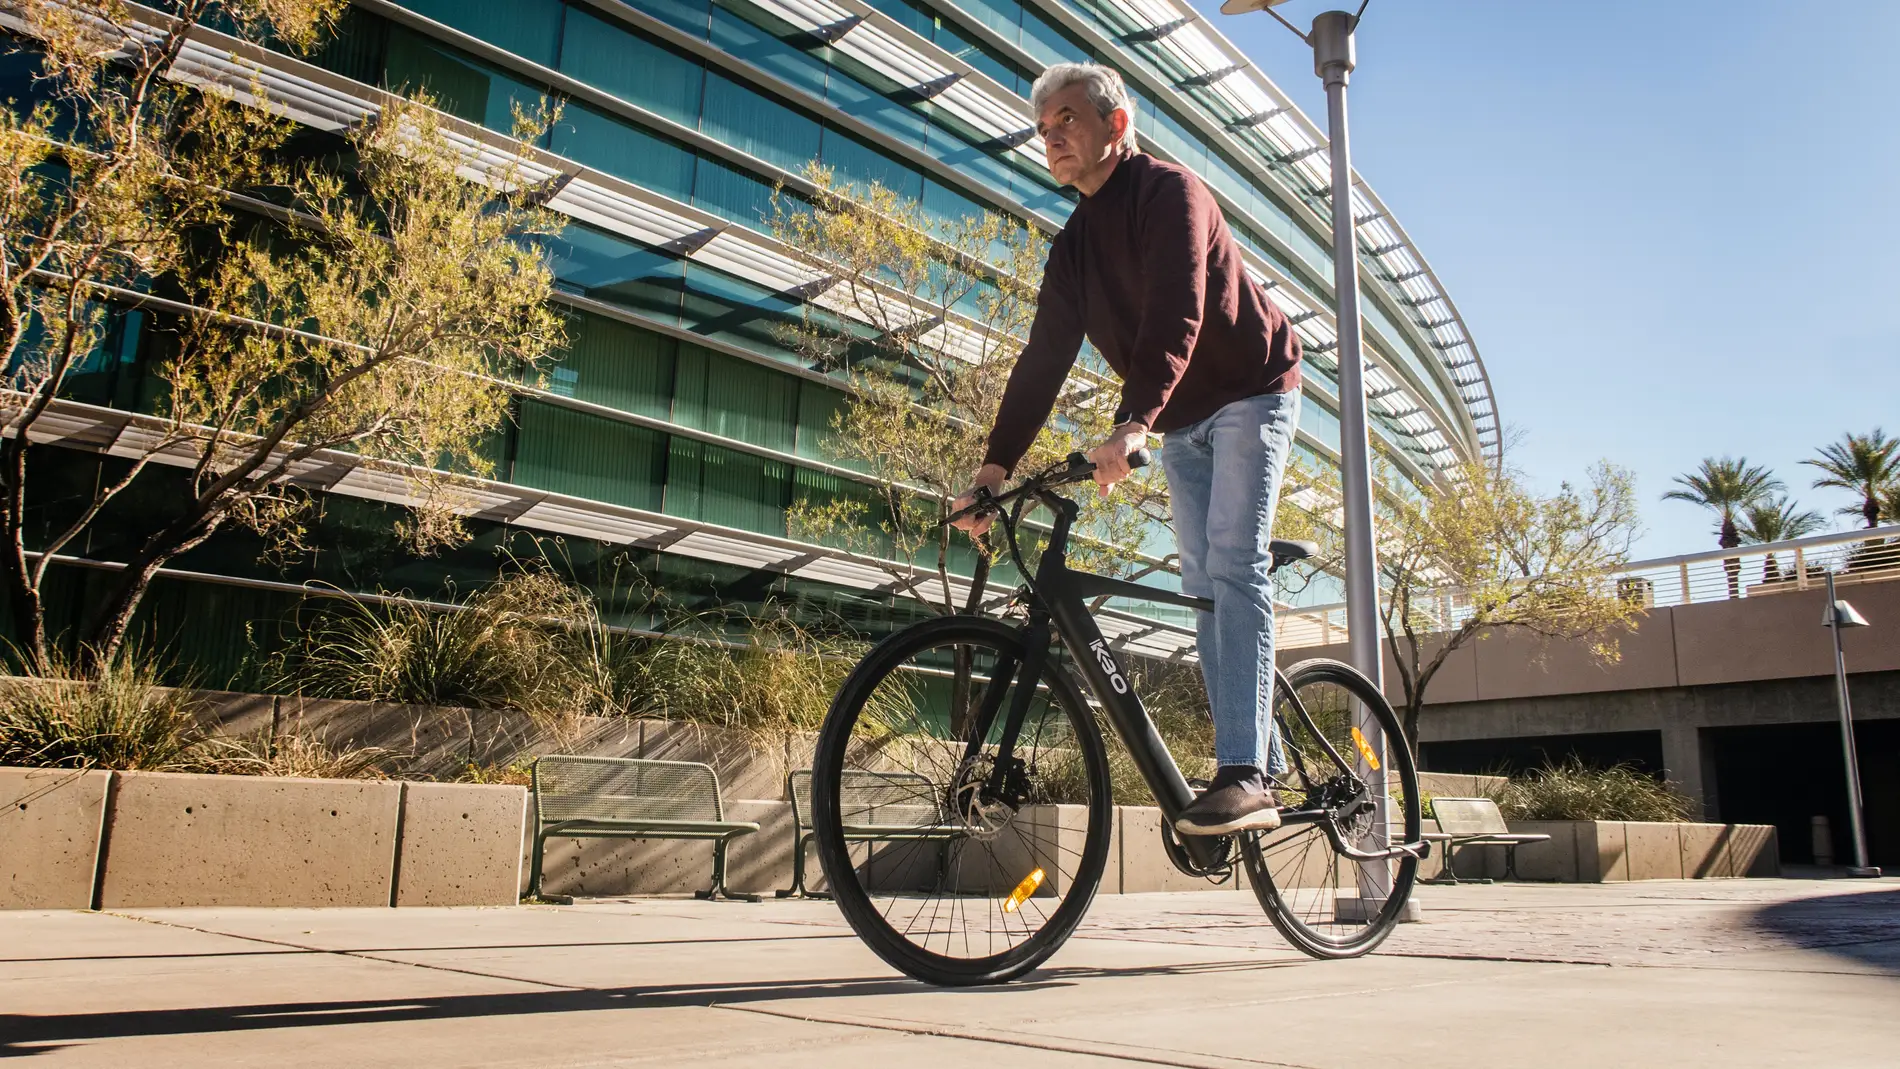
{"x":119,"y":840}
{"x":49,"y":836}
{"x":1603,"y":851}
{"x":71,"y":840}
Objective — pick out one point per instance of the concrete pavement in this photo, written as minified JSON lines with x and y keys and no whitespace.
{"x":1728,"y":973}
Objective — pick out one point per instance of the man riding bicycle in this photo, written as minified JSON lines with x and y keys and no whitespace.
{"x":1147,"y":270}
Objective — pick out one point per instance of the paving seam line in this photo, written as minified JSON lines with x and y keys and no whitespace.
{"x":345,"y":953}
{"x":1384,"y":954}
{"x":1006,"y":1038}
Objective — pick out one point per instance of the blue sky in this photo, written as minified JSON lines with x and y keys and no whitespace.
{"x":1670,"y":226}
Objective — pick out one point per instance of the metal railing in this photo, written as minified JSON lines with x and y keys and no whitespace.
{"x":1866,"y":555}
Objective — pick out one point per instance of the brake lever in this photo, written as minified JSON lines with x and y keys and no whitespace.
{"x":985,"y":502}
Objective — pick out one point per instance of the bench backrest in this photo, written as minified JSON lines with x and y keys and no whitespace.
{"x":624,"y":788}
{"x":1469,"y":816}
{"x":899,"y":799}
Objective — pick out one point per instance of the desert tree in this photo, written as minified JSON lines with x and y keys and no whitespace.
{"x":923,"y":317}
{"x":372,"y":300}
{"x":1479,"y":552}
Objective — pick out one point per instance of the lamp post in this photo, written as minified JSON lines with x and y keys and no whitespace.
{"x":1333,"y":61}
{"x":1836,"y":615}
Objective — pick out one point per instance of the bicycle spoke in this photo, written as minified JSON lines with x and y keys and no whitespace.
{"x":1325,"y":902}
{"x":967,"y":857}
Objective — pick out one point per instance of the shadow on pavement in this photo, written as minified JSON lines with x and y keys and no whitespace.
{"x":25,"y":1034}
{"x":1863,"y":926}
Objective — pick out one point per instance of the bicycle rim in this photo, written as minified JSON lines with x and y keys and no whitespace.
{"x":1323,"y":902}
{"x":943,"y":878}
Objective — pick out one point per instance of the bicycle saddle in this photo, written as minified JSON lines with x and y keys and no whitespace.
{"x":1287,"y":551}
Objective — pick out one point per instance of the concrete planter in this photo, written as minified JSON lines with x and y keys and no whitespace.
{"x":49,"y":836}
{"x":120,"y":840}
{"x":1604,"y":851}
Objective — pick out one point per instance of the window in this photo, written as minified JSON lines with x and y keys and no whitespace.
{"x":726,"y":191}
{"x":857,"y":163}
{"x":613,"y":269}
{"x":758,"y":48}
{"x":607,"y":144}
{"x":611,"y":363}
{"x":757,"y":125}
{"x":736,"y":399}
{"x":718,"y":305}
{"x":717,"y":485}
{"x":589,"y":456}
{"x":461,"y":86}
{"x":856,"y":99}
{"x":530,"y":29}
{"x":632,"y":68}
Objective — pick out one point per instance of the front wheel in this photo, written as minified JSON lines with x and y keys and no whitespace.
{"x":955,"y":864}
{"x":1324,"y":902}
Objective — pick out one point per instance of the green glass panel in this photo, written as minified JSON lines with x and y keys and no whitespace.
{"x":736,"y":399}
{"x":610,"y":268}
{"x":758,"y":47}
{"x":620,"y":149}
{"x":589,"y":456}
{"x":758,"y":125}
{"x":724,"y":190}
{"x":718,"y":485}
{"x":631,"y":67}
{"x":461,"y":86}
{"x":818,"y":410}
{"x":530,"y":29}
{"x":719,"y":305}
{"x":858,"y":164}
{"x":359,"y":48}
{"x":617,"y":365}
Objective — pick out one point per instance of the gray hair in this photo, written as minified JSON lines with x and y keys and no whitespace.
{"x":1105,"y":91}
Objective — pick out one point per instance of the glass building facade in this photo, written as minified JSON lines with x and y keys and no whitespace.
{"x":674,"y":432}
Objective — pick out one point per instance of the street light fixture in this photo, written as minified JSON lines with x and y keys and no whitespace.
{"x":1835,"y":616}
{"x":1333,"y":60}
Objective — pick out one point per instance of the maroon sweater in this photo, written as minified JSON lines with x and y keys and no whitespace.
{"x":1148,"y":270}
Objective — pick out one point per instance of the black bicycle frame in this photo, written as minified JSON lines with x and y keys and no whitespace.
{"x":1058,"y":603}
{"x":1063,"y":595}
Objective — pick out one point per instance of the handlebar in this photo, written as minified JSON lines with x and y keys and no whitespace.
{"x":1073,"y":470}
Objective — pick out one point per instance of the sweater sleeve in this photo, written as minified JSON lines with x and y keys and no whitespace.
{"x":1174,"y":220}
{"x":1043,"y":366}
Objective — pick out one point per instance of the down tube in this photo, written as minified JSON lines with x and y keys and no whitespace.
{"x":1126,"y":714}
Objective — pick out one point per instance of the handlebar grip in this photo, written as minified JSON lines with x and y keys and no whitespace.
{"x":1141,"y":458}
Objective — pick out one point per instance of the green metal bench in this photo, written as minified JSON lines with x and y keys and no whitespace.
{"x":626,"y":798}
{"x":876,"y":807}
{"x":1475,"y":822}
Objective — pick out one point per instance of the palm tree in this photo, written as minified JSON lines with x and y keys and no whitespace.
{"x":1725,"y":487}
{"x":1776,"y":521}
{"x":1863,"y":464}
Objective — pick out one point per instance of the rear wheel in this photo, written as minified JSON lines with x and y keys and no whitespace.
{"x":1324,"y":902}
{"x":950,"y":871}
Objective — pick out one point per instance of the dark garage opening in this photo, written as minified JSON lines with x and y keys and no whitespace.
{"x":1788,"y":774}
{"x":1607,"y":749}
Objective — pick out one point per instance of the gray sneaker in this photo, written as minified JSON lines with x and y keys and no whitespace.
{"x":1238,"y":800}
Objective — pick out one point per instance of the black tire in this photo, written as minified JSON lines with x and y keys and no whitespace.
{"x":882,"y":723}
{"x":1296,"y":872}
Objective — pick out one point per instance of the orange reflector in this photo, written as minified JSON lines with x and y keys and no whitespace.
{"x":1023,"y":891}
{"x":1365,"y":748}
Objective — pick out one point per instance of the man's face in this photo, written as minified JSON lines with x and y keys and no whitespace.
{"x":1076,"y":139}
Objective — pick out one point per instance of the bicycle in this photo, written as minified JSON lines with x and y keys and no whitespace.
{"x":979,"y":783}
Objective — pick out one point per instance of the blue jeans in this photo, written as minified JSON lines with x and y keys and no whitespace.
{"x":1224,"y":480}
